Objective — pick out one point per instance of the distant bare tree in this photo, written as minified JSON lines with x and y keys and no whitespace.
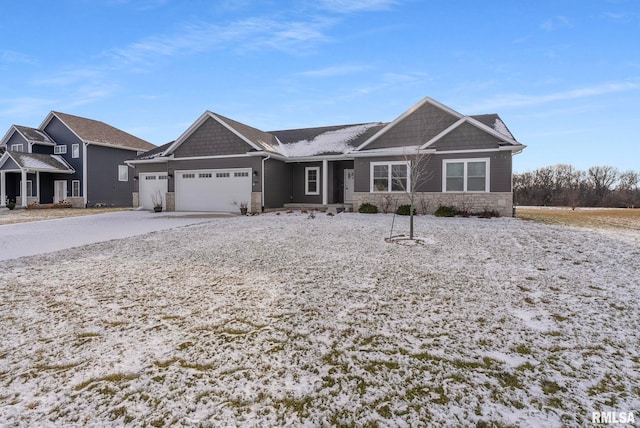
{"x":602,"y":178}
{"x":628,"y":188}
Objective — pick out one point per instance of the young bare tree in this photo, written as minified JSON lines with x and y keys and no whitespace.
{"x":410,"y":177}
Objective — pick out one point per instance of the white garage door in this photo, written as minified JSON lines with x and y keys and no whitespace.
{"x":213,"y":189}
{"x":151,"y":186}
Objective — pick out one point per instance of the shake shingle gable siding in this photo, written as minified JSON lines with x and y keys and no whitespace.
{"x":281,"y":160}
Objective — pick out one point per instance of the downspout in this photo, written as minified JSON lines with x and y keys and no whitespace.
{"x":262,"y":180}
{"x":84,"y":174}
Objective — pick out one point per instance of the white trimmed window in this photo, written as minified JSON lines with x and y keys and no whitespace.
{"x":465,"y":175}
{"x":17,"y":148}
{"x":75,"y":188}
{"x":123,"y":173}
{"x":312,"y":180}
{"x":389,"y":177}
{"x":75,"y":150}
{"x":29,"y":188}
{"x":60,"y":150}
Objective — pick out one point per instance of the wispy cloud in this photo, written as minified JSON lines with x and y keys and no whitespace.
{"x":12,"y":57}
{"x":338,"y":70}
{"x":20,"y":107}
{"x":556,"y":23}
{"x":348,"y":6}
{"x":519,"y":100}
{"x":244,"y":35}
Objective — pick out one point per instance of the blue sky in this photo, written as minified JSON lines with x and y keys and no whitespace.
{"x":564,"y":75}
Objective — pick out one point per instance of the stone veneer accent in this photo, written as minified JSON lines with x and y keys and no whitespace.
{"x":77,"y":202}
{"x":256,"y":202}
{"x":170,"y":201}
{"x":135,"y":201}
{"x":427,"y":203}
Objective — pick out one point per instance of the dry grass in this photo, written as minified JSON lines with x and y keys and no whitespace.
{"x":601,"y":218}
{"x":23,"y":216}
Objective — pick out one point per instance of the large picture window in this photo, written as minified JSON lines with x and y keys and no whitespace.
{"x":465,"y":175}
{"x":312,"y":180}
{"x":389,"y":177}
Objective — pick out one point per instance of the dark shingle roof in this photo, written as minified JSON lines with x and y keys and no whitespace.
{"x":494,"y":122}
{"x":326,"y":139}
{"x":264,"y":140}
{"x":33,"y":134}
{"x":154,"y":153}
{"x":40,"y":162}
{"x":90,"y":130}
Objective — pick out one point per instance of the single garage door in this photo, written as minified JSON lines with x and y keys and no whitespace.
{"x":213,"y":189}
{"x":152,"y":185}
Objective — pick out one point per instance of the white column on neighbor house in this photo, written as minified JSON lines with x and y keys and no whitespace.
{"x":325,"y":182}
{"x":3,"y":193}
{"x":37,"y":186}
{"x":23,"y":188}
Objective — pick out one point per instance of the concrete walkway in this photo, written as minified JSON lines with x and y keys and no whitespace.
{"x":39,"y":237}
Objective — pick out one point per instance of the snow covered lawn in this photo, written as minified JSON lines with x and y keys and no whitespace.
{"x":287,"y":320}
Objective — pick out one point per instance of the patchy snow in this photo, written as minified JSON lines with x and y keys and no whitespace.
{"x":32,"y":162}
{"x":500,"y":127}
{"x":336,"y":141}
{"x":283,"y":320}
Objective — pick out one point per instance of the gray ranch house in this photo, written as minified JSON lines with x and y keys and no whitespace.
{"x":68,"y":158}
{"x":218,"y":163}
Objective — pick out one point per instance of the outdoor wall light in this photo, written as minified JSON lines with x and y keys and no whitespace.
{"x":255,"y":172}
{"x":135,"y":177}
{"x":170,"y":175}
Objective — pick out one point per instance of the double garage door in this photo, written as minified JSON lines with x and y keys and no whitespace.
{"x":217,"y":190}
{"x":212,"y":189}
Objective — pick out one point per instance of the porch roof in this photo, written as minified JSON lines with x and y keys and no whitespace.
{"x":34,"y":162}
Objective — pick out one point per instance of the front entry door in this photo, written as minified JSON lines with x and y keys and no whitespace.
{"x":348,"y":186}
{"x":59,"y":191}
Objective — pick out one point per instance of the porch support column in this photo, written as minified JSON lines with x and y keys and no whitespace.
{"x":38,"y":186}
{"x":325,"y":182}
{"x":3,"y":192}
{"x":23,"y":188}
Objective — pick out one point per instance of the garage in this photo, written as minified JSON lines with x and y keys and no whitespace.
{"x":151,"y":186}
{"x":212,"y":189}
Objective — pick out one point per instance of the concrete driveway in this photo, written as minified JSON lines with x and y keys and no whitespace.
{"x":39,"y":237}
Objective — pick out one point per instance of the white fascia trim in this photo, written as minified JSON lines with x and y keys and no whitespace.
{"x":444,"y":132}
{"x":241,"y":155}
{"x":269,"y":155}
{"x":111,"y":146}
{"x":144,"y":161}
{"x":404,"y":115}
{"x":396,"y":151}
{"x":6,"y":137}
{"x":491,"y":131}
{"x":318,"y":158}
{"x":235,"y":131}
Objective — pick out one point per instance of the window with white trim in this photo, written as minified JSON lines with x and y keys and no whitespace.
{"x":123,"y":173}
{"x":29,"y":188}
{"x":75,"y":150}
{"x":465,"y":175}
{"x":312,"y":180}
{"x":389,"y":176}
{"x":60,"y":150}
{"x":17,"y":148}
{"x":75,"y":188}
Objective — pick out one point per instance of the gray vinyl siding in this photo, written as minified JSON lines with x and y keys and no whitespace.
{"x":223,"y":163}
{"x":299,"y":183}
{"x":500,"y":165}
{"x":102,"y":180}
{"x":416,"y":129}
{"x":212,"y":139}
{"x":278,"y":183}
{"x":18,"y":139}
{"x":160,"y":167}
{"x":466,"y":137}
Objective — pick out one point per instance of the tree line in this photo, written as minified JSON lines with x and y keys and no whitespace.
{"x":564,"y":185}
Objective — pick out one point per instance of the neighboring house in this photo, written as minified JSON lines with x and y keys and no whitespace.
{"x":218,"y":162}
{"x":68,"y":158}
